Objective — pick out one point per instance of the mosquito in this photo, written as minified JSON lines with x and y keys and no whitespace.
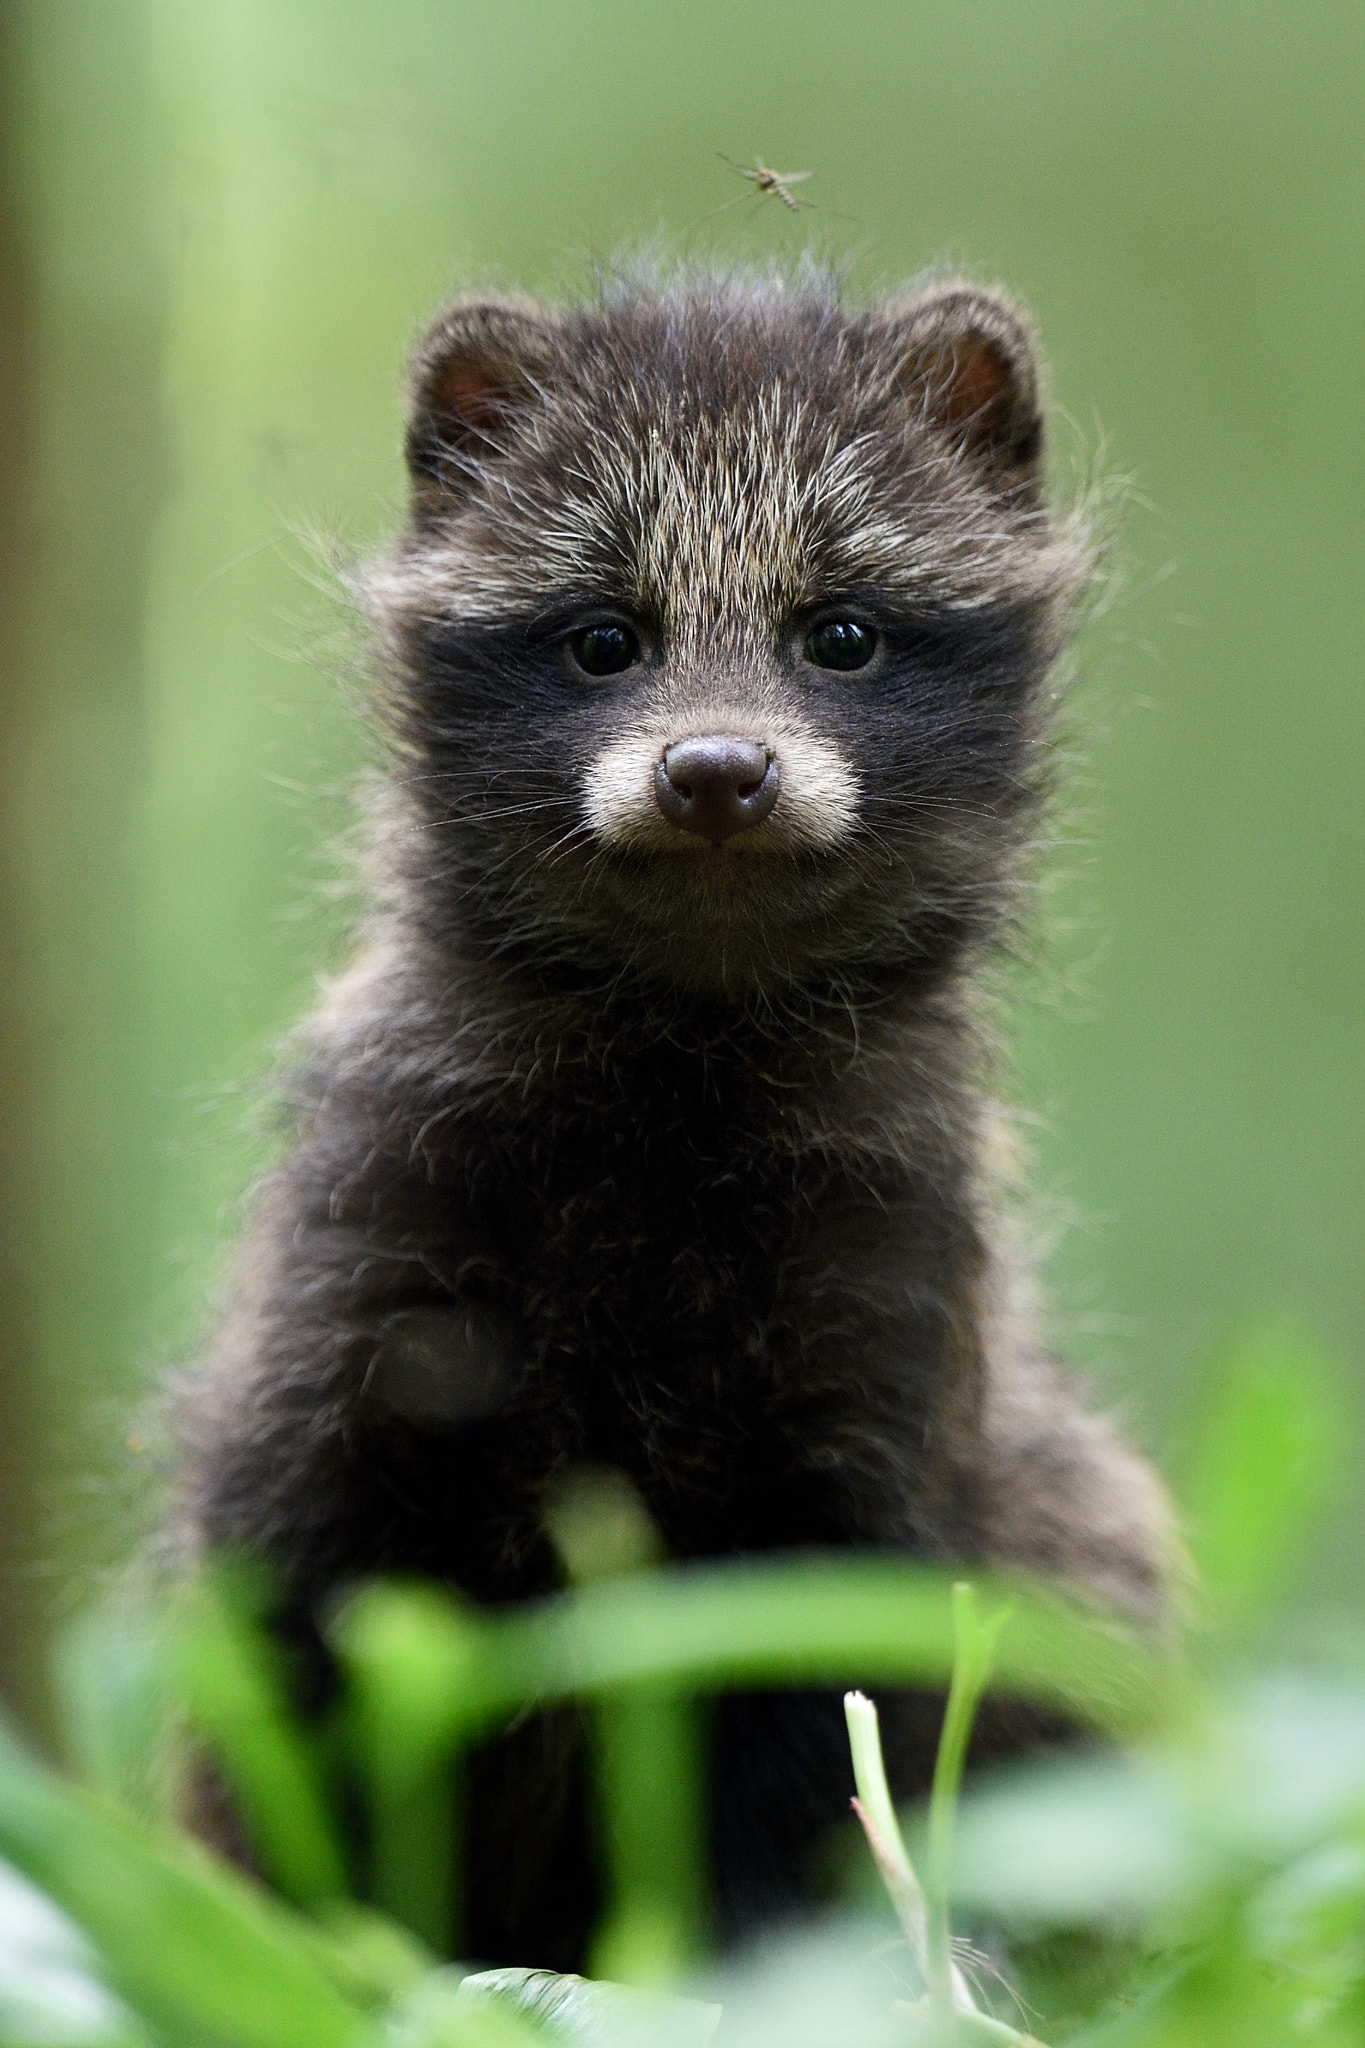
{"x":766,"y":183}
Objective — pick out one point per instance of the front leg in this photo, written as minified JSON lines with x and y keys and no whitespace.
{"x":341,"y":1426}
{"x":372,"y":1407}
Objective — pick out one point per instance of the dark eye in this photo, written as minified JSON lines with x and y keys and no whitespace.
{"x":840,"y":643}
{"x":605,"y":650}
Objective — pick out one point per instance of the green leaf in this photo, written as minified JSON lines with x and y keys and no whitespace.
{"x":1086,"y":1841}
{"x":113,"y":1699}
{"x":368,"y":1956}
{"x":437,"y":2013}
{"x":234,"y":1698}
{"x":191,"y":1946}
{"x":1271,"y":1448}
{"x":649,"y":1782}
{"x":416,"y":1664}
{"x":575,"y":2009}
{"x":929,"y":2027}
{"x":51,"y":1989}
{"x":975,"y":1644}
{"x":815,"y":1620}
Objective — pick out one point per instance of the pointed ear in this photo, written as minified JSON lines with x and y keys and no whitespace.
{"x":967,"y":366}
{"x":475,"y":375}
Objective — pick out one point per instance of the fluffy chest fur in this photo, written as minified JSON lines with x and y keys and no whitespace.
{"x":744,"y":1306}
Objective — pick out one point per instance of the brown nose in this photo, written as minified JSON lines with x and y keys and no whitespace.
{"x":716,"y":786}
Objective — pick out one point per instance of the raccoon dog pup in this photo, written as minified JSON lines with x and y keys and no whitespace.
{"x":650,"y":1129}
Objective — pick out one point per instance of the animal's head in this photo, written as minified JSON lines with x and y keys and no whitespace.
{"x":719,"y":628}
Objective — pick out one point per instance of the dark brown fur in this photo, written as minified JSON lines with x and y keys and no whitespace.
{"x":641,"y":1152}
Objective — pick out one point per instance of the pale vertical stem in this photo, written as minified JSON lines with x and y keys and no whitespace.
{"x":878,"y":1817}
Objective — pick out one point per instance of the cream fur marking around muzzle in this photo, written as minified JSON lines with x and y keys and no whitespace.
{"x":817,"y":806}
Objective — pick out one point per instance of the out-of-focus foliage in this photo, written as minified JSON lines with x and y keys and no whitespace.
{"x":1269,"y":1456}
{"x":1201,"y":1880}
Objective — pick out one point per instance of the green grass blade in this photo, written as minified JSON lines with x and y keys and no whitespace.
{"x":975,"y":1643}
{"x":754,"y":1622}
{"x":51,"y":1987}
{"x":416,"y":1666}
{"x":189,"y":1945}
{"x":646,"y":1754}
{"x":114,"y":1708}
{"x":234,"y":1699}
{"x":818,"y":1621}
{"x":648,"y":1780}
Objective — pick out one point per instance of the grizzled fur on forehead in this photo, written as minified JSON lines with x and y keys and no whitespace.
{"x":721,"y":454}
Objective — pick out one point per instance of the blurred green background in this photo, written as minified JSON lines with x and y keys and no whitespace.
{"x":219,"y":226}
